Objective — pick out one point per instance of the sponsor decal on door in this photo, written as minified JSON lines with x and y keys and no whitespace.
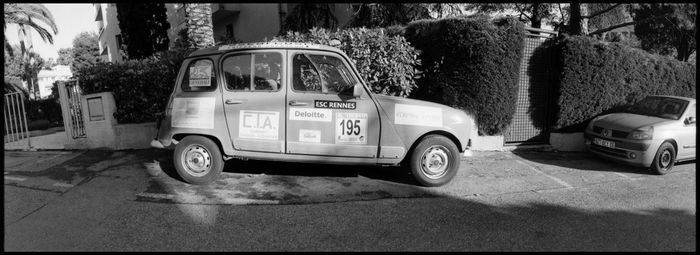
{"x":258,"y":125}
{"x":309,"y":136}
{"x":310,"y":114}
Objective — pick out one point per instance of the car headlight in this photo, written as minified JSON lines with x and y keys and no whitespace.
{"x":645,"y":133}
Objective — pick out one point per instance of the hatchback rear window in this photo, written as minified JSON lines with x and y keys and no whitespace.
{"x":199,"y":76}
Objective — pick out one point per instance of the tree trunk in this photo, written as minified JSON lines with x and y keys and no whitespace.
{"x":536,"y":18}
{"x":200,"y":29}
{"x":578,"y":22}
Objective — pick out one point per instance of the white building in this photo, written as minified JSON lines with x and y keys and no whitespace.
{"x":46,"y":78}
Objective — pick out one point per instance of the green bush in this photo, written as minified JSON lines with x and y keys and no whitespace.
{"x":387,"y":63}
{"x":471,"y":63}
{"x":141,"y":87}
{"x":598,"y":77}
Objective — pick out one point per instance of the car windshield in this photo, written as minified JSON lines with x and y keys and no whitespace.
{"x":662,"y":107}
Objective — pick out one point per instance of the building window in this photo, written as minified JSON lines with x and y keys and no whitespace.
{"x":229,"y":32}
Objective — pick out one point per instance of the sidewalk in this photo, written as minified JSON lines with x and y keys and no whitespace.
{"x":53,"y":141}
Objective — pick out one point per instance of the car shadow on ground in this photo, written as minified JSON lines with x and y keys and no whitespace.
{"x":584,"y":161}
{"x":394,"y":174}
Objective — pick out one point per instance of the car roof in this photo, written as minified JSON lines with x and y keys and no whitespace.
{"x":262,"y":45}
{"x":692,"y":100}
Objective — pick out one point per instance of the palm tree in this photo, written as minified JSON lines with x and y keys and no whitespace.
{"x":25,"y":16}
{"x":200,"y":30}
{"x":32,"y":65}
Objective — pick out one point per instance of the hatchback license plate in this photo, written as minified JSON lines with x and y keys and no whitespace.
{"x":604,"y":143}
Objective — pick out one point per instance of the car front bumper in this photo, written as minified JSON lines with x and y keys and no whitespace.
{"x":636,"y":153}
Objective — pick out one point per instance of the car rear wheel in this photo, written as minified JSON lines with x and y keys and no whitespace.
{"x":434,"y":161}
{"x":664,"y":159}
{"x":198,"y":160}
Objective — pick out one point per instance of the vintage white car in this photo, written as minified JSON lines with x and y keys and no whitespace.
{"x":655,"y":132}
{"x":304,"y":103}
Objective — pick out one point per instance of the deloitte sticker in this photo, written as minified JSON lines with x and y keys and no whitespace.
{"x":310,"y":114}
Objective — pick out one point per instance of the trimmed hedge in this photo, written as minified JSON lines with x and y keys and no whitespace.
{"x":598,"y":77}
{"x":141,"y":87}
{"x":387,"y":63}
{"x":471,"y":63}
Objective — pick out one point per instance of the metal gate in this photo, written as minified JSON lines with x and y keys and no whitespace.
{"x":15,"y":116}
{"x":530,"y":123}
{"x":75,"y":108}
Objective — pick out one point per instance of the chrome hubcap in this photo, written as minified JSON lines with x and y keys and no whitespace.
{"x":197,"y":160}
{"x":665,"y":158}
{"x":434,"y":162}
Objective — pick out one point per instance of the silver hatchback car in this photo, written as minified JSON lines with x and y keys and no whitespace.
{"x":300,"y":103}
{"x":655,"y":132}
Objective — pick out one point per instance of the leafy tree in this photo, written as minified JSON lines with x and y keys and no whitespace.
{"x":533,"y":14}
{"x":374,"y":15}
{"x":144,"y":28}
{"x":86,"y":51}
{"x":672,"y":35}
{"x":65,"y":56}
{"x":25,"y":16}
{"x":13,"y":63}
{"x":200,"y":29}
{"x":305,"y":16}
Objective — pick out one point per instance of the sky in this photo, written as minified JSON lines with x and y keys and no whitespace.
{"x":71,"y":20}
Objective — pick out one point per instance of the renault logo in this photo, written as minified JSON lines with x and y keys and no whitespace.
{"x":607,"y":132}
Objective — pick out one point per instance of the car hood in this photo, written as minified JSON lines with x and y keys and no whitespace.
{"x":628,"y":121}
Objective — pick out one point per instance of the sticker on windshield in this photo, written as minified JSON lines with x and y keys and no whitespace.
{"x":193,"y":112}
{"x":309,"y":114}
{"x":405,"y":114}
{"x":309,"y":136}
{"x":350,"y":128}
{"x":200,"y":76}
{"x":258,"y":125}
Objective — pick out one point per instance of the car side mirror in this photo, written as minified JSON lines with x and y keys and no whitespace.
{"x":357,"y":90}
{"x":691,"y":120}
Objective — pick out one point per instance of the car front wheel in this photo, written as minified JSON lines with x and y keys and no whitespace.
{"x":434,"y":161}
{"x":664,"y":159}
{"x":198,"y":160}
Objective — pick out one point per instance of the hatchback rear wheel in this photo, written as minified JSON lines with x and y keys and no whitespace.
{"x":198,"y":160}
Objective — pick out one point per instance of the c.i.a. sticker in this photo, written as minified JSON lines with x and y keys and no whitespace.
{"x":351,"y":128}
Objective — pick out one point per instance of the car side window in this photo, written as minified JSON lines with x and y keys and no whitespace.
{"x":264,"y":68}
{"x":199,"y":76}
{"x":320,"y":74}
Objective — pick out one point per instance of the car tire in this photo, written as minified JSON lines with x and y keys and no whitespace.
{"x":434,"y":161}
{"x":198,"y":160}
{"x":664,"y":159}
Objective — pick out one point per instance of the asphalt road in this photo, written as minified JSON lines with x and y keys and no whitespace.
{"x":499,"y":201}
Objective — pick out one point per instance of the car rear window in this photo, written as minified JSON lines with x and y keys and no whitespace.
{"x":199,"y":76}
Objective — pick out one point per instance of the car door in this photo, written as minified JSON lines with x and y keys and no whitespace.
{"x":687,"y":135}
{"x":323,"y":117}
{"x":254,"y":99}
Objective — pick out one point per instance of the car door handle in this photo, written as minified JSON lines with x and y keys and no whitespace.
{"x":232,"y":101}
{"x":297,"y":103}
